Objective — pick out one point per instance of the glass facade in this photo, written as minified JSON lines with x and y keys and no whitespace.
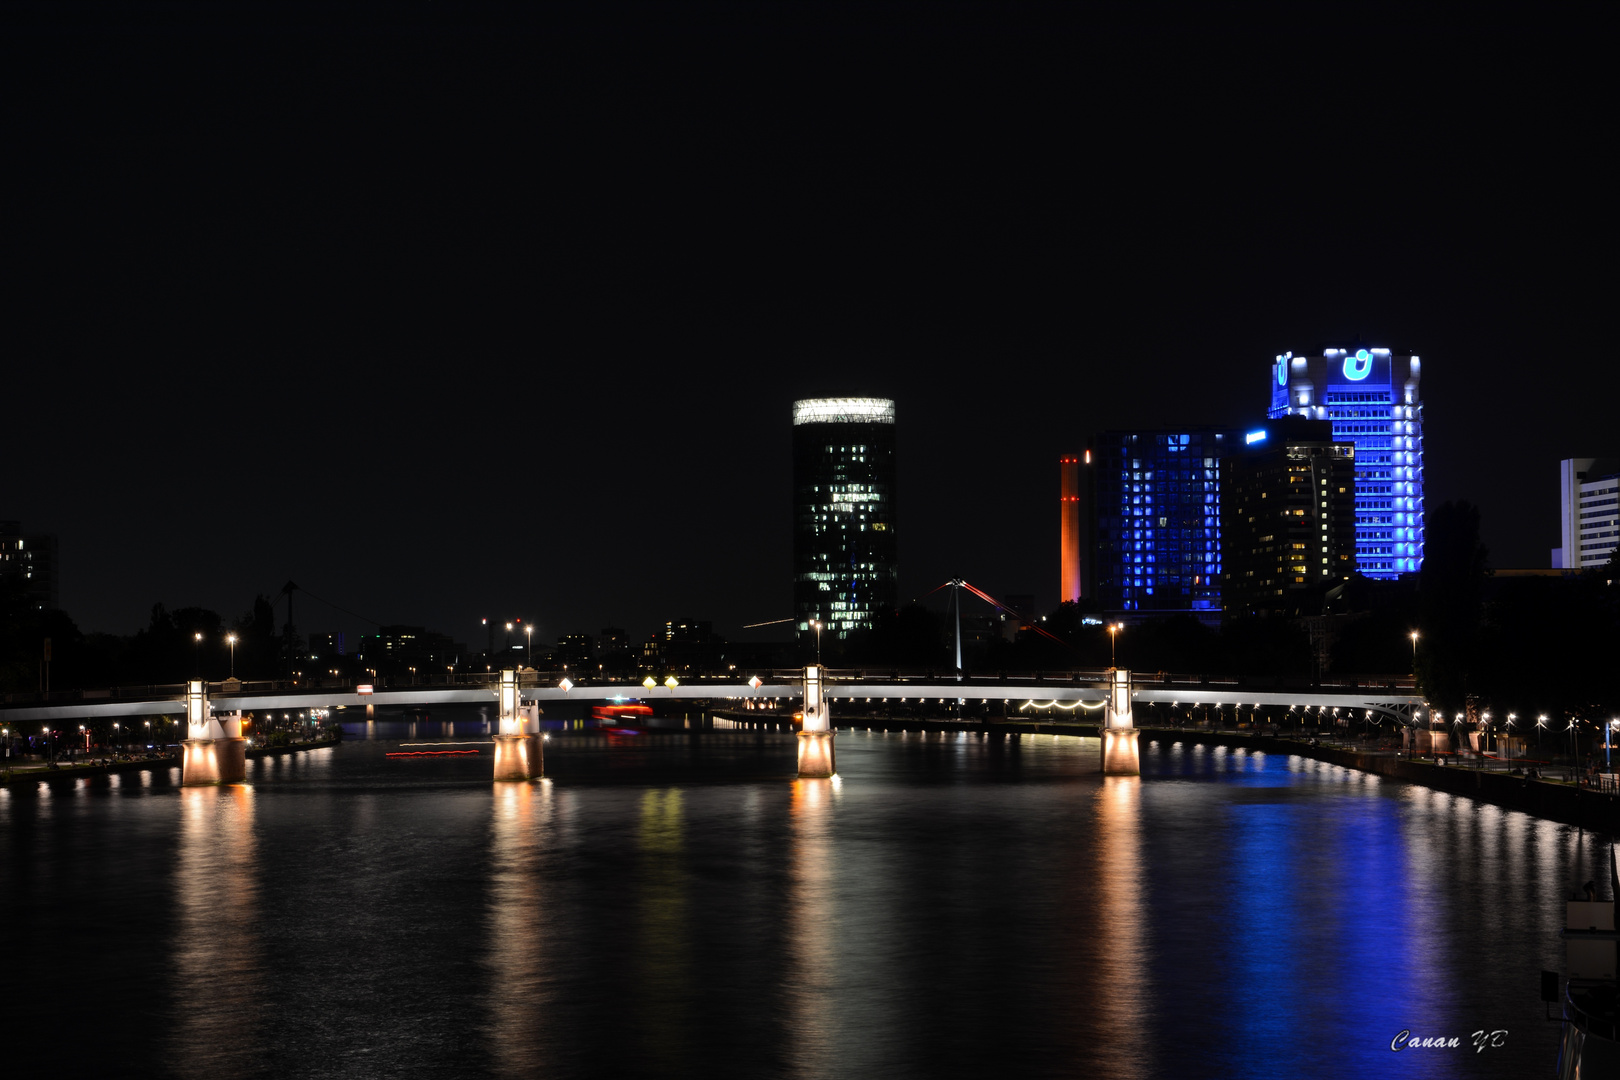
{"x":1157,"y":520}
{"x":844,"y":539}
{"x":1372,"y":397}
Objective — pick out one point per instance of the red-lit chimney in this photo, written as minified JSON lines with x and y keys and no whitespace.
{"x":1069,"y":534}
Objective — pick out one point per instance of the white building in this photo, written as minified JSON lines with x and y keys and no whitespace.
{"x":1589,"y":513}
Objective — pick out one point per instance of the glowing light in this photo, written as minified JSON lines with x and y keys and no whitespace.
{"x":672,"y":682}
{"x":565,"y":686}
{"x":843,"y":411}
{"x":1255,"y":436}
{"x":754,"y":683}
{"x":1359,"y":366}
{"x":650,"y":683}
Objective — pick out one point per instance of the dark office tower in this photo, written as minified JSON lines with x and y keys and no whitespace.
{"x":28,"y":563}
{"x":844,"y":544}
{"x":1288,"y":518}
{"x":1157,"y":521}
{"x":1374,"y":400}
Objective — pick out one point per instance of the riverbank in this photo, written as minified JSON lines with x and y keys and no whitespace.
{"x":32,"y":774}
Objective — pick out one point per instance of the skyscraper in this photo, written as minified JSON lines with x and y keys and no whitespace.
{"x":1589,"y":513}
{"x":844,"y":540}
{"x":1287,"y":518}
{"x":1071,"y":538}
{"x":1372,"y":398}
{"x":1156,"y":514}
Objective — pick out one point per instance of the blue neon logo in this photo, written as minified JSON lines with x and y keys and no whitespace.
{"x":1359,"y":366}
{"x":1254,"y":437}
{"x":1282,"y":372}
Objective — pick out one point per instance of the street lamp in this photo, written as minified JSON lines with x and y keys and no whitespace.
{"x":1541,"y":722}
{"x":509,"y":638}
{"x":528,"y":650}
{"x":1414,"y":636}
{"x":230,"y":639}
{"x":816,"y":626}
{"x":196,"y":651}
{"x":1113,"y":639}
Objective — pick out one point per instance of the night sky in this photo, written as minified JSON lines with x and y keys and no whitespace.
{"x":446,"y":311}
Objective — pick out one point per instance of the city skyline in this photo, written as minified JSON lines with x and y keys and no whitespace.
{"x":261,"y":340}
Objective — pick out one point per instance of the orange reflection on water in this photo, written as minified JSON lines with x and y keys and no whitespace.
{"x":216,"y":950}
{"x":1121,"y":979}
{"x":812,"y":912}
{"x":517,"y":946}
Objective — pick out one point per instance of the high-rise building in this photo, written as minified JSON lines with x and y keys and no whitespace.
{"x":1071,"y":529}
{"x":1372,"y":398}
{"x":845,"y":571}
{"x":1589,"y":513}
{"x":1288,"y":518}
{"x":28,"y":563}
{"x":1156,"y":520}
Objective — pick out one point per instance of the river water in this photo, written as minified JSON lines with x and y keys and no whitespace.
{"x":950,"y":905}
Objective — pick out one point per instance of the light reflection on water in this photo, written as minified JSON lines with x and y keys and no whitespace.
{"x":218,"y":972}
{"x":950,"y":905}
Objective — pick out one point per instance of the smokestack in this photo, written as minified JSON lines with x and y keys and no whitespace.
{"x":1069,"y":532}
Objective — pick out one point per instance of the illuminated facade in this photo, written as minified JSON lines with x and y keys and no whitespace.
{"x":1589,"y":513}
{"x":1288,"y":518}
{"x":844,"y":541}
{"x":1070,"y":529}
{"x":1156,"y":519}
{"x":1372,"y":398}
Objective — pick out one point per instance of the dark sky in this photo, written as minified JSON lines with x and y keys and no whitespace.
{"x":446,"y":311}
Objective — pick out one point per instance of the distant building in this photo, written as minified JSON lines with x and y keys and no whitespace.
{"x":1288,"y":518}
{"x":1372,"y":398}
{"x":575,"y":651}
{"x":1588,"y":513}
{"x":613,"y":651}
{"x":326,"y":644}
{"x":845,"y":571}
{"x":395,"y":648}
{"x":1156,"y":522}
{"x":29,"y":561}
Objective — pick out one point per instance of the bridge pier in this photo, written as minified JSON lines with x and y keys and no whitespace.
{"x":214,"y":751}
{"x":816,"y":757}
{"x":518,"y":755}
{"x":1121,"y":754}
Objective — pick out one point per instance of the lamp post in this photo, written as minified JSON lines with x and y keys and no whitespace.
{"x":815,"y":624}
{"x":1113,"y":640}
{"x":196,"y":651}
{"x":509,"y":639}
{"x":1541,"y":722}
{"x":528,"y":649}
{"x":115,"y":732}
{"x":1414,"y":636}
{"x":230,"y":639}
{"x":149,"y":734}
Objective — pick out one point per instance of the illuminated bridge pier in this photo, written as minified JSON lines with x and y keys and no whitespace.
{"x":1121,"y":753}
{"x":816,"y":757}
{"x":517,"y":745}
{"x":214,"y":751}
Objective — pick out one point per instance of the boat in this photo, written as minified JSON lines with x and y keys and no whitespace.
{"x":1589,"y":1042}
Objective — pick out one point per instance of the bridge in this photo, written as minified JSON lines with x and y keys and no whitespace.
{"x":214,"y":752}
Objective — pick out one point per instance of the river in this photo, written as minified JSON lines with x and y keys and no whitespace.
{"x":950,"y":905}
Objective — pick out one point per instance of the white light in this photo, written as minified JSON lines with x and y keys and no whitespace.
{"x":843,"y":411}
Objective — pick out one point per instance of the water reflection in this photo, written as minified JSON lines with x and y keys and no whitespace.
{"x":1121,"y":975}
{"x":811,"y":1038}
{"x":663,"y":957}
{"x":216,"y":949}
{"x":520,"y":979}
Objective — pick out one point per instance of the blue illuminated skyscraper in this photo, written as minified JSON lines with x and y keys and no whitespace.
{"x":1372,"y":397}
{"x":1157,"y":520}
